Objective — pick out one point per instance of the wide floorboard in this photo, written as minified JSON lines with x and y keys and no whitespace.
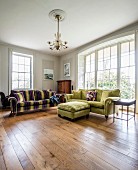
{"x":42,"y":140}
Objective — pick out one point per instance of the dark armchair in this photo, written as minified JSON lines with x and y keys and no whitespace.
{"x":4,"y":100}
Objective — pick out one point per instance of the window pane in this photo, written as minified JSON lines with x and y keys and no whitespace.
{"x":88,"y":63}
{"x":21,"y":60}
{"x":87,"y":80}
{"x":21,"y":84}
{"x":92,"y":62}
{"x":124,"y":73}
{"x":92,"y":80}
{"x":132,"y":58}
{"x":21,"y":76}
{"x":27,"y":76}
{"x":125,"y":61}
{"x":126,"y":88}
{"x":132,"y":72}
{"x":113,"y":83}
{"x":100,"y":83}
{"x":125,"y":47}
{"x":100,"y":65}
{"x":27,"y":84}
{"x":100,"y":55}
{"x":21,"y":68}
{"x":113,"y":62}
{"x":15,"y":67}
{"x":132,"y":46}
{"x":113,"y":74}
{"x":107,"y":52}
{"x":114,"y":50}
{"x":14,"y":84}
{"x":27,"y":68}
{"x":106,"y":75}
{"x":127,"y":82}
{"x":27,"y":61}
{"x":14,"y":76}
{"x":107,"y":64}
{"x":14,"y":59}
{"x":100,"y":75}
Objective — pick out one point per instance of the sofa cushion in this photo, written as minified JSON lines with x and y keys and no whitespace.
{"x":29,"y":95}
{"x":74,"y":106}
{"x":41,"y":94}
{"x":33,"y":103}
{"x":105,"y":95}
{"x":84,"y":94}
{"x":91,"y":95}
{"x":99,"y":94}
{"x":76,"y":94}
{"x":115,"y":93}
{"x":96,"y":104}
{"x":19,"y":96}
{"x":77,"y":100}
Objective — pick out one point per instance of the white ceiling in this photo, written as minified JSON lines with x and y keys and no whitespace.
{"x":26,"y":22}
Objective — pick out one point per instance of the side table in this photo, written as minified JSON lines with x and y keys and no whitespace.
{"x":125,"y":102}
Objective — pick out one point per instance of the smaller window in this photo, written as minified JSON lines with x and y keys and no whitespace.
{"x":21,"y":71}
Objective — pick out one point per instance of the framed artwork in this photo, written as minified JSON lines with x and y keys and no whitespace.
{"x":67,"y":70}
{"x":48,"y":74}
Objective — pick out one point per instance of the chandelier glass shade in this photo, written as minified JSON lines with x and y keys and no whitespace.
{"x":57,"y":44}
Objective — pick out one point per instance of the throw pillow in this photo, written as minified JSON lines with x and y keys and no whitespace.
{"x":91,"y":95}
{"x":105,"y":95}
{"x":41,"y":94}
{"x":76,"y":94}
{"x":29,"y":95}
{"x":84,"y":94}
{"x":19,"y":96}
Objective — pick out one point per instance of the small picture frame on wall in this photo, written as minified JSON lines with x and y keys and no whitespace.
{"x":67,"y":70}
{"x":48,"y":74}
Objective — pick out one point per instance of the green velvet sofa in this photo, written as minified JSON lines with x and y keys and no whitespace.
{"x":103,"y":103}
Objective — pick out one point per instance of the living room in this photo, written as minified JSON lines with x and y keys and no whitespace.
{"x":59,"y":143}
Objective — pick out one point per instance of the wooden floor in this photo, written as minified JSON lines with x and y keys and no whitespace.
{"x":42,"y":140}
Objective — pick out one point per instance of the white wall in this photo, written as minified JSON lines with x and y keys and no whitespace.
{"x":42,"y":61}
{"x":72,"y":59}
{"x":38,"y":59}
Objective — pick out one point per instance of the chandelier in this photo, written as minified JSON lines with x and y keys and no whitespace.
{"x":58,"y":15}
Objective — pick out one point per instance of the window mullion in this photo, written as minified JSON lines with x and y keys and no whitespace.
{"x":118,"y":64}
{"x":85,"y":72}
{"x":96,"y":67}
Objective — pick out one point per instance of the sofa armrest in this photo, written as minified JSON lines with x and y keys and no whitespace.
{"x":68,"y":96}
{"x":108,"y":105}
{"x":13,"y":105}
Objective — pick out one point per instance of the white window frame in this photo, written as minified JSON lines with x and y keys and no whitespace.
{"x":118,"y":62}
{"x":11,"y":53}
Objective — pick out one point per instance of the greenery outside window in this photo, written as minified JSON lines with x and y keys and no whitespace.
{"x":107,"y":68}
{"x":127,"y":70}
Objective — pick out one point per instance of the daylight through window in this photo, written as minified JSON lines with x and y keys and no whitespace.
{"x":21,"y":71}
{"x":110,"y":65}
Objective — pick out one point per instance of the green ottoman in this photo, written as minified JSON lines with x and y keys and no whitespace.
{"x":73,"y":110}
